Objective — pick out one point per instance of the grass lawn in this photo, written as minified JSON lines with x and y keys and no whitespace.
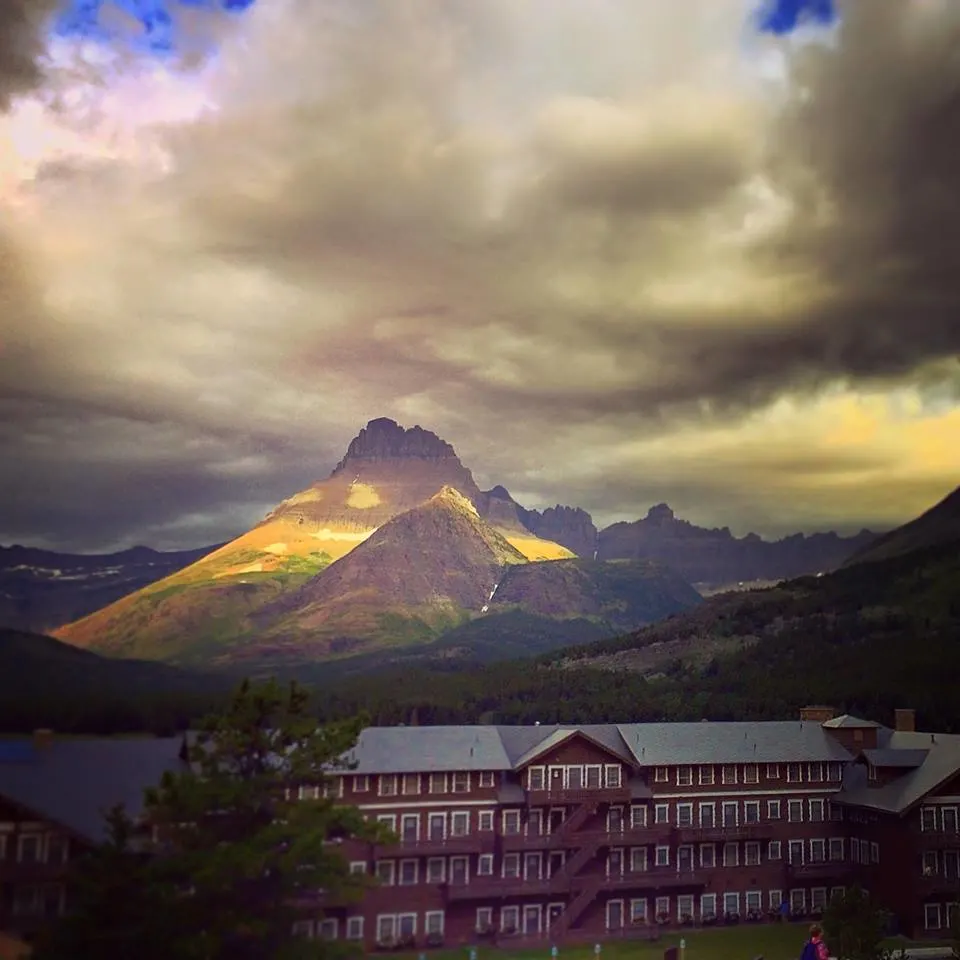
{"x":772,"y":941}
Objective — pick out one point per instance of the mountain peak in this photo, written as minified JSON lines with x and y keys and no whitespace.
{"x":384,"y":439}
{"x":448,"y":496}
{"x":661,"y":513}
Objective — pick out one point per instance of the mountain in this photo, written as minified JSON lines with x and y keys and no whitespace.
{"x":712,"y":559}
{"x":866,"y":638}
{"x":44,"y":682}
{"x":43,"y":589}
{"x":939,"y":525}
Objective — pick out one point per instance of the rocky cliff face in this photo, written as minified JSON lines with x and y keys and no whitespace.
{"x":714,"y":557}
{"x":384,"y":440}
{"x":571,"y":526}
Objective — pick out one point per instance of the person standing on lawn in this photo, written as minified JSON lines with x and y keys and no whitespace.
{"x":815,"y":948}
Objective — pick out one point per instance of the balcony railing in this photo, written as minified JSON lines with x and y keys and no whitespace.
{"x":720,"y":833}
{"x":937,"y":839}
{"x":654,"y":878}
{"x":627,"y":837}
{"x":484,"y":842}
{"x":820,"y":869}
{"x":558,"y":795}
{"x":936,"y":883}
{"x":486,"y":888}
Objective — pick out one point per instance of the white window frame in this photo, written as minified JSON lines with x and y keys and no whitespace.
{"x":774,"y":850}
{"x":615,"y":902}
{"x":815,"y":772}
{"x":726,"y":904}
{"x":387,"y":785}
{"x":435,"y":817}
{"x":442,"y":861}
{"x":536,"y":778}
{"x":390,"y":871}
{"x":437,"y":783}
{"x":486,"y":779}
{"x":661,"y":813}
{"x":662,"y":855}
{"x":818,"y":850}
{"x":361,"y":784}
{"x":638,"y":816}
{"x":773,"y":771}
{"x":612,"y":776}
{"x":757,"y":896}
{"x":707,"y":776}
{"x":685,"y":776}
{"x":708,"y":905}
{"x":798,"y":900}
{"x":685,"y":900}
{"x":794,"y":773}
{"x":751,"y":773}
{"x":662,"y":907}
{"x":661,"y":775}
{"x":412,"y":917}
{"x":819,"y":898}
{"x":433,"y":914}
{"x":816,"y":805}
{"x":407,"y":818}
{"x":639,"y":860}
{"x":510,"y":858}
{"x":484,"y":920}
{"x":874,"y":851}
{"x":793,"y":805}
{"x":466,"y":869}
{"x":503,"y":823}
{"x":391,"y":919}
{"x":725,"y":808}
{"x":932,"y":911}
{"x":358,"y":866}
{"x":729,"y":774}
{"x":328,"y":924}
{"x":749,"y":805}
{"x":712,"y":847}
{"x":688,"y":809}
{"x":774,"y":899}
{"x":410,"y":785}
{"x":407,"y":863}
{"x":837,"y":844}
{"x":774,"y":810}
{"x":731,"y":847}
{"x":712,"y":807}
{"x":389,"y":820}
{"x":460,"y":782}
{"x":508,"y":912}
{"x":459,"y":823}
{"x":485,"y":820}
{"x":354,"y":928}
{"x":752,"y":845}
{"x":638,"y":910}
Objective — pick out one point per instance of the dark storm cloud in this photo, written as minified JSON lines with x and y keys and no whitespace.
{"x":22,"y":44}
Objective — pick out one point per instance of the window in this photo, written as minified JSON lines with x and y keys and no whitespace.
{"x":358,"y":866}
{"x":638,"y":817}
{"x":408,"y":873}
{"x":731,"y":903}
{"x":29,"y":848}
{"x":407,"y":925}
{"x":798,"y":900}
{"x":815,"y":772}
{"x":436,"y":870}
{"x":327,"y":928}
{"x":485,"y":779}
{"x":864,"y":851}
{"x":461,"y":782}
{"x":708,"y":905}
{"x":485,"y":820}
{"x":302,"y":928}
{"x":834,"y":771}
{"x":751,"y":811}
{"x":663,"y":856}
{"x":459,"y":823}
{"x":685,"y":907}
{"x":773,"y":850}
{"x":729,"y":812}
{"x":729,"y":774}
{"x":437,"y":826}
{"x":684,"y":776}
{"x":708,"y":855}
{"x":874,"y":852}
{"x":793,"y":773}
{"x":684,"y":814}
{"x":612,"y":775}
{"x":411,"y":784}
{"x":389,"y":820}
{"x":615,"y":863}
{"x":951,"y":864}
{"x":410,"y":827}
{"x":638,"y":911}
{"x":816,"y":811}
{"x":388,"y":784}
{"x":511,"y":821}
{"x":386,"y":928}
{"x":836,"y":848}
{"x":58,"y":849}
{"x":593,"y":777}
{"x":484,"y":919}
{"x":795,"y":811}
{"x":638,"y":859}
{"x":433,"y":923}
{"x":510,"y":919}
{"x":818,"y":851}
{"x":731,"y":854}
{"x":837,"y":892}
{"x":385,"y":872}
{"x":361,"y":784}
{"x":459,"y":871}
{"x":661,"y":775}
{"x":931,"y":916}
{"x":751,"y":773}
{"x":535,"y":778}
{"x":706,"y":776}
{"x":818,"y":898}
{"x":354,"y":928}
{"x":662,"y":813}
{"x":835,"y":812}
{"x":774,"y":899}
{"x":773,"y":809}
{"x":308,"y":793}
{"x":511,"y":865}
{"x":615,"y":820}
{"x":663,"y":907}
{"x":708,"y":816}
{"x":535,"y":822}
{"x":751,"y":854}
{"x":928,"y":818}
{"x":753,"y":901}
{"x":485,"y":865}
{"x":948,"y":818}
{"x":773,"y":771}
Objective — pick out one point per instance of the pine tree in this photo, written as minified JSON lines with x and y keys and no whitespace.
{"x":240,"y":858}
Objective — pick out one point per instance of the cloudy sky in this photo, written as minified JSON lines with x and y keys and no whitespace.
{"x":615,"y":251}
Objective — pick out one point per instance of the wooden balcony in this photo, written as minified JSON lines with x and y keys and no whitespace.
{"x":821,"y":870}
{"x":498,"y":888}
{"x":937,"y":884}
{"x":721,"y":834}
{"x":484,"y":842}
{"x":561,"y":796}
{"x":654,"y":878}
{"x":937,"y":839}
{"x":658,"y":833}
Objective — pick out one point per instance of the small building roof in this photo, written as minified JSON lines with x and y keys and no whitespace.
{"x":75,"y":782}
{"x":847,"y":722}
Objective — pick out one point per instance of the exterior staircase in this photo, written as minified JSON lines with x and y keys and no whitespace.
{"x":575,"y":908}
{"x":578,"y":818}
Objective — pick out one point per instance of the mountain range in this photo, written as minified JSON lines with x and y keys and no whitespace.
{"x":398,"y":552}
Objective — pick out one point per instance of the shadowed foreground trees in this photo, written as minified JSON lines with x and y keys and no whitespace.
{"x":236,"y":862}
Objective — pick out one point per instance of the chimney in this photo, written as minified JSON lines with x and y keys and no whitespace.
{"x":817,"y":714}
{"x":42,"y":738}
{"x":905,"y":720}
